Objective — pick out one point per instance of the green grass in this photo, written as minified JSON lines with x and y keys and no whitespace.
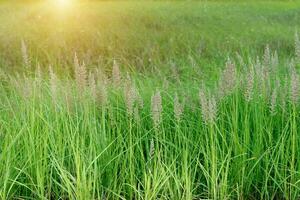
{"x":148,"y":38}
{"x":74,"y":131}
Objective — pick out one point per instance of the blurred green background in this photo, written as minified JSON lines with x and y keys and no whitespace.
{"x":145,"y":36}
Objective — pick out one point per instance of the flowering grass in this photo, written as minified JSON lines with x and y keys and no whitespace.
{"x":113,"y":131}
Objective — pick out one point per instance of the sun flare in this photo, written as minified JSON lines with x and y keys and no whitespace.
{"x":63,"y":3}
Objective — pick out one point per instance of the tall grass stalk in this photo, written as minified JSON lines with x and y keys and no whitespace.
{"x":84,"y":138}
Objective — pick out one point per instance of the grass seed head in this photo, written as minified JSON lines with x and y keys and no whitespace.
{"x":274,"y":60}
{"x":297,"y":47}
{"x":68,"y":96}
{"x":249,"y":85}
{"x":294,"y":91}
{"x":203,"y":104}
{"x":212,"y":106}
{"x":136,"y":113}
{"x":27,"y":87}
{"x":273,"y":102}
{"x":80,"y":74}
{"x":156,"y":108}
{"x":284,"y":93}
{"x":208,"y":107}
{"x":100,"y":76}
{"x":178,"y":108}
{"x":116,"y":74}
{"x":267,"y":57}
{"x":228,"y":79}
{"x":92,"y":86}
{"x":130,"y":96}
{"x":102,"y":94}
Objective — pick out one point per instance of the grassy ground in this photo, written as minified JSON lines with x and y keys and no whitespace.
{"x":146,"y":38}
{"x":149,"y":100}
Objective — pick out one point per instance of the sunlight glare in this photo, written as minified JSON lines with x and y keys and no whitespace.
{"x":63,"y":3}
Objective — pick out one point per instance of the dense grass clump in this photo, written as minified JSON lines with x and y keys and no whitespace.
{"x":182,"y":100}
{"x":96,"y":136}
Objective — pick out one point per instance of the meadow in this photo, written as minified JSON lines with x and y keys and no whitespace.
{"x":150,"y":100}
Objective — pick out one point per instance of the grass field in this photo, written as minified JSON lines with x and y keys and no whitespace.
{"x":150,"y":100}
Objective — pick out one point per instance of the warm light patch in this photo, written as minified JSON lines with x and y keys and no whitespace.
{"x":63,"y":3}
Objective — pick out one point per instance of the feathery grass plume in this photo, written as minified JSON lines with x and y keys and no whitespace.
{"x":139,"y":104}
{"x":69,"y":98}
{"x":25,"y":56}
{"x":178,"y":108}
{"x":273,"y":102}
{"x":249,"y":85}
{"x":27,"y":88}
{"x":102,"y":94}
{"x":291,"y":65}
{"x":100,"y":76}
{"x":212,"y":107}
{"x":297,"y":47}
{"x":130,"y":96}
{"x":267,"y":71}
{"x":274,"y":60}
{"x":277,"y":84}
{"x":136,"y":114}
{"x":294,"y":91}
{"x":257,"y":64}
{"x":156,"y":108}
{"x":228,"y":79}
{"x":139,"y":99}
{"x":208,"y":107}
{"x":203,"y":103}
{"x":202,"y":97}
{"x":92,"y":85}
{"x":263,"y":78}
{"x":284,"y":93}
{"x":267,"y":57}
{"x":80,"y":74}
{"x":116,"y":74}
{"x":53,"y":84}
{"x":266,"y":66}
